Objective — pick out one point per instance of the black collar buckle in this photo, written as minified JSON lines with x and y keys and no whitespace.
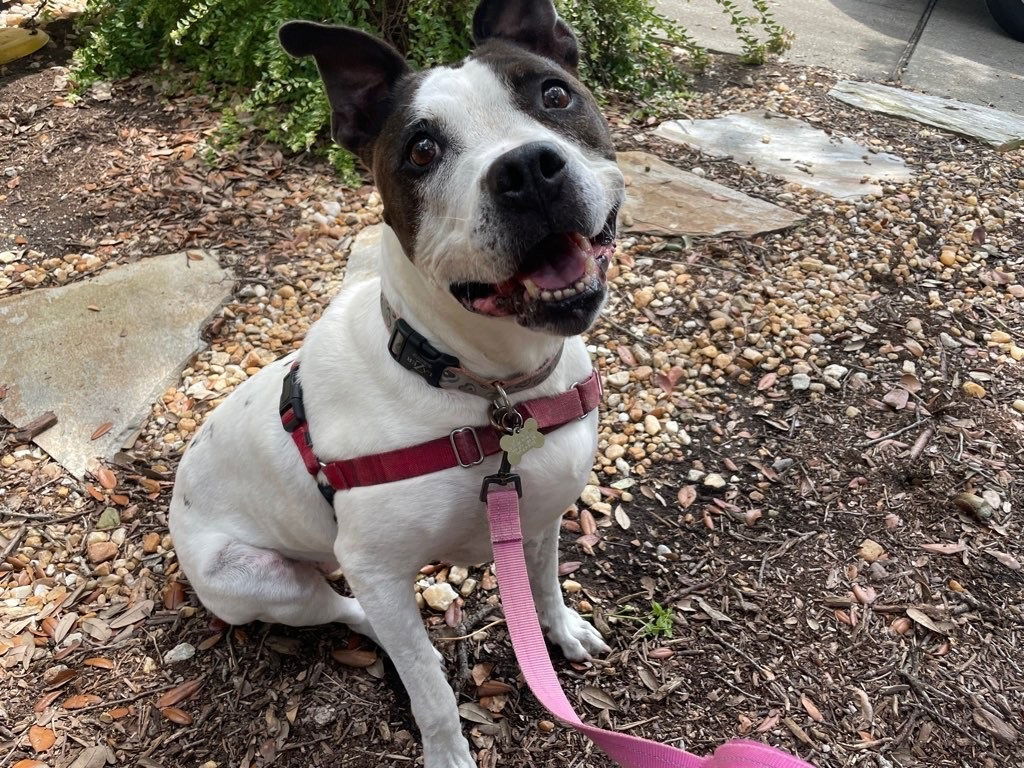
{"x":412,"y":350}
{"x":293,"y":415}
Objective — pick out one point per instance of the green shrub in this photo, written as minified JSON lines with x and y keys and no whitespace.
{"x":231,"y":45}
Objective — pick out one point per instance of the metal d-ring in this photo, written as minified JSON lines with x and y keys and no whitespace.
{"x":504,"y":416}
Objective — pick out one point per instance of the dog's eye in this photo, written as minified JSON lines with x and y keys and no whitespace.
{"x":423,"y":151}
{"x":556,"y":95}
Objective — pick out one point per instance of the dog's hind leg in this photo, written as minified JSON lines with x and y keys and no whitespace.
{"x":240,"y":583}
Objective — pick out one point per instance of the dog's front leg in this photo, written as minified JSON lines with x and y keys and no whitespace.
{"x":563,"y":626}
{"x":390,"y":606}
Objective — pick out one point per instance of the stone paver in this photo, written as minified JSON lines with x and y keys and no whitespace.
{"x":364,"y":258}
{"x":100,"y":351}
{"x":665,"y":200}
{"x":1003,"y":130}
{"x":791,"y":149}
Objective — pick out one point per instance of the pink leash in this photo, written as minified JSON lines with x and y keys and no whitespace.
{"x":531,"y":652}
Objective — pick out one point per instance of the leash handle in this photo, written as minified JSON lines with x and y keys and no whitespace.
{"x":535,"y":663}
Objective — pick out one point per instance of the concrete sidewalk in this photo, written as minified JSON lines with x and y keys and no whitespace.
{"x":961,"y":52}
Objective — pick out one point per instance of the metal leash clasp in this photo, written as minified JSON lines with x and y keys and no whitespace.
{"x":504,"y":418}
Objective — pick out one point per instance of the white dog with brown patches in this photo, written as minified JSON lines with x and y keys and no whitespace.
{"x":500,"y":195}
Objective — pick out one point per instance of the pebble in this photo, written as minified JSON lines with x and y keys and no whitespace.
{"x":613,"y":452}
{"x":467,"y":587}
{"x":714,"y":480}
{"x":619,"y":379}
{"x":179,"y":653}
{"x":651,"y":425}
{"x":101,"y":551}
{"x":324,"y":715}
{"x":973,"y":389}
{"x":836,"y":371}
{"x":440,"y":596}
{"x":800,"y":382}
{"x":457,"y":574}
{"x":870,"y":550}
{"x":590,"y":495}
{"x":572,"y":587}
{"x":1018,"y":405}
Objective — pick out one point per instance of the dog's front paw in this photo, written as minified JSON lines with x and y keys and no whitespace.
{"x":577,"y":638}
{"x":454,"y":755}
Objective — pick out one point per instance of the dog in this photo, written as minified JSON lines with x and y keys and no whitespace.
{"x":500,"y":192}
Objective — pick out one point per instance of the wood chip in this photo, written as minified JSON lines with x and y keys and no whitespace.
{"x":102,"y":429}
{"x":35,"y":428}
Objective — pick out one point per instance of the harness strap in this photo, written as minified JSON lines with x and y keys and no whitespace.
{"x":462,"y":447}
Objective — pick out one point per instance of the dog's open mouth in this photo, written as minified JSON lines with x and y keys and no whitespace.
{"x":558,"y":272}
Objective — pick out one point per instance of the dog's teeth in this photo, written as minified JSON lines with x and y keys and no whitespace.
{"x":532,"y":289}
{"x":547,"y":295}
{"x":579,"y":285}
{"x":558,"y":294}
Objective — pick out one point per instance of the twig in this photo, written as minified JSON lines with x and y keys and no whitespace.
{"x":474,"y":632}
{"x":13,"y":543}
{"x":891,"y":435}
{"x":921,"y":443}
{"x":129,"y":700}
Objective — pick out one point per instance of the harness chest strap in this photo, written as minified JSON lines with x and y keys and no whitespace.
{"x":462,"y":447}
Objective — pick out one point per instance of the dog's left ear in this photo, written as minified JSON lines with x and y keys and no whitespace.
{"x":533,"y":24}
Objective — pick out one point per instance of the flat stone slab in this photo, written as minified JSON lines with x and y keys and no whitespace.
{"x":1003,"y":130}
{"x":668,"y":201}
{"x":102,"y":350}
{"x":792,"y":150}
{"x":364,"y":255}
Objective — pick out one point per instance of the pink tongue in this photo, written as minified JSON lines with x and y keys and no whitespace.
{"x":490,"y":305}
{"x":562,"y":271}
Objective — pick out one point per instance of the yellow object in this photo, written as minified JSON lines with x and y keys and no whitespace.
{"x":17,"y":42}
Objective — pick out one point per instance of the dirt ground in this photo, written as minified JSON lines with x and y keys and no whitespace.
{"x":839,"y":563}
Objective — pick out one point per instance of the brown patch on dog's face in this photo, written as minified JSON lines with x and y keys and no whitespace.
{"x":397,"y":178}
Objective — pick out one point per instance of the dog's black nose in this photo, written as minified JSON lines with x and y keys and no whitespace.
{"x":529,"y":176}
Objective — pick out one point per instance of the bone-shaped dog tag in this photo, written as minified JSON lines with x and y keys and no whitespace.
{"x":523,"y":440}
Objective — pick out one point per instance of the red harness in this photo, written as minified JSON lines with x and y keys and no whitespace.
{"x":462,"y":447}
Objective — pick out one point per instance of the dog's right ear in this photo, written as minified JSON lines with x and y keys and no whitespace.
{"x":359,"y":73}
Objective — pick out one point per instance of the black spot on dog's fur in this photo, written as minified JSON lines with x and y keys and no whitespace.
{"x":186,"y":501}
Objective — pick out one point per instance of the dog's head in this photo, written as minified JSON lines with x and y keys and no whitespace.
{"x":497,"y":174}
